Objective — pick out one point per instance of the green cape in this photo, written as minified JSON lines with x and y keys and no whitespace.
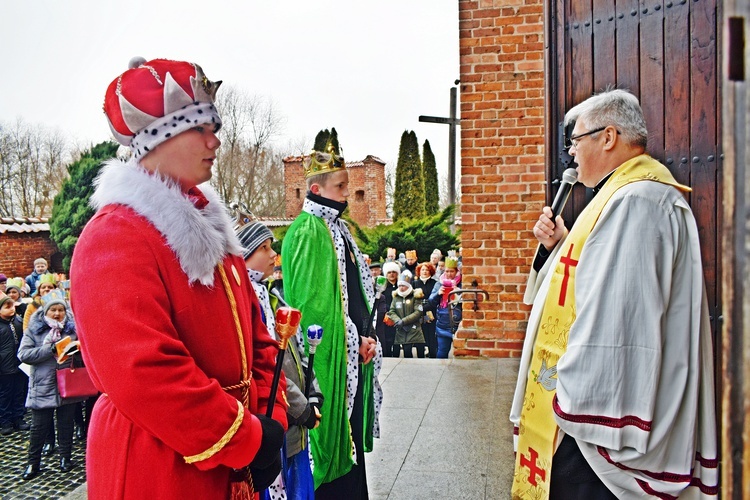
{"x":312,"y":285}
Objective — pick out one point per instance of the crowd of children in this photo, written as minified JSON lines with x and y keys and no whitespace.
{"x":34,"y":316}
{"x":417,"y":310}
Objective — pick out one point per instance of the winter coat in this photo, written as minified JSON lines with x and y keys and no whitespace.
{"x":294,"y":367}
{"x":428,"y":326}
{"x":33,"y":280}
{"x":389,"y":332}
{"x":9,"y":342}
{"x":36,"y":350}
{"x":443,"y":326}
{"x":162,"y":351}
{"x":409,"y":311}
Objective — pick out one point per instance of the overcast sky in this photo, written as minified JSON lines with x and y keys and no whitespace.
{"x":367,"y":68}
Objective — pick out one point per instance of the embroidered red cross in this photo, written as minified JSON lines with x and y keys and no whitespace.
{"x":531,"y":464}
{"x":568,"y":263}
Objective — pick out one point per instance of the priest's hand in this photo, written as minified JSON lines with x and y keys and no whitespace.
{"x":367,"y":348}
{"x":547,"y":231}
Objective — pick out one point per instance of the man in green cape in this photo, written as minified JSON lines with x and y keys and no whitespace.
{"x":327,"y":278}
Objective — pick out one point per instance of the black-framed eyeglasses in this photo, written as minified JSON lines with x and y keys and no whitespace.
{"x":572,"y":141}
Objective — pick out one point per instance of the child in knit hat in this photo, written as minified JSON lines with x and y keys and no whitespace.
{"x":13,"y":382}
{"x":13,"y":290}
{"x":47,"y":283}
{"x":303,"y":412}
{"x":406,"y":314}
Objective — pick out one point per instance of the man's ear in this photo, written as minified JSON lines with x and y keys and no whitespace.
{"x":315,"y":188}
{"x":610,"y":137}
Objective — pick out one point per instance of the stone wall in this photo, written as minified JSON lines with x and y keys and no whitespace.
{"x":502,"y":165}
{"x":19,"y":250}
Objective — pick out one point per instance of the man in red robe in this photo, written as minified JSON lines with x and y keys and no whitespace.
{"x":170,"y":327}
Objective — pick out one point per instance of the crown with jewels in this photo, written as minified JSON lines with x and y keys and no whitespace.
{"x":323,"y":162}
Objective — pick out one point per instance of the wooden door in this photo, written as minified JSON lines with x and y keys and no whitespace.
{"x":666,"y":53}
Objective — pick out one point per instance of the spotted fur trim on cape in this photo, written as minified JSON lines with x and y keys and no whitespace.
{"x":199,"y":238}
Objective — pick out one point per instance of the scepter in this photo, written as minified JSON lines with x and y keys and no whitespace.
{"x":314,"y":336}
{"x":287,"y":322}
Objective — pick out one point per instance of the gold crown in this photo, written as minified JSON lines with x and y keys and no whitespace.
{"x":322,"y":163}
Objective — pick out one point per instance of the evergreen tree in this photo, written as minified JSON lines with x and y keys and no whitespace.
{"x":423,"y":235}
{"x":321,"y":140}
{"x":71,"y":210}
{"x":409,"y":195}
{"x":431,"y":190}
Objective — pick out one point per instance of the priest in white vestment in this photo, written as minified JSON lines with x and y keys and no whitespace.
{"x":630,"y":390}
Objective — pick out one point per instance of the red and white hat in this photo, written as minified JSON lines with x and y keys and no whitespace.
{"x":155,"y":100}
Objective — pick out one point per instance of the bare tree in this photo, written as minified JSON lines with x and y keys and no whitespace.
{"x":248,"y":167}
{"x":32,"y":168}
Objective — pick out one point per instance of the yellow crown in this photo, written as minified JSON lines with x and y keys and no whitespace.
{"x":322,"y":163}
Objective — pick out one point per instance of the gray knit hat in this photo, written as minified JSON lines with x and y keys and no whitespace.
{"x":252,"y":236}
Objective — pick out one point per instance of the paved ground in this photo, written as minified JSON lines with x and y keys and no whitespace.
{"x":51,"y":483}
{"x":445,"y":430}
{"x":445,"y":435}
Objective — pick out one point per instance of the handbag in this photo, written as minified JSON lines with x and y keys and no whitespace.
{"x":74,"y":382}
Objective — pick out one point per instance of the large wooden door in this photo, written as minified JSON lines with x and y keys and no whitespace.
{"x":666,"y":53}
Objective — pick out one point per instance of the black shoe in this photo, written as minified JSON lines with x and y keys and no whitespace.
{"x":48,"y":449}
{"x":21,"y":425}
{"x":66,"y":464}
{"x":6,"y":430}
{"x":31,"y":472}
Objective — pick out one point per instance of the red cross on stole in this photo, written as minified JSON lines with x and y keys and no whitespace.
{"x":569,"y":262}
{"x":534,"y":469}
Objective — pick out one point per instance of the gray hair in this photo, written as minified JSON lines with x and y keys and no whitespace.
{"x":618,"y":108}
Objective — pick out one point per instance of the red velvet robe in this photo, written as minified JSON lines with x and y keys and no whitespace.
{"x":161,"y":349}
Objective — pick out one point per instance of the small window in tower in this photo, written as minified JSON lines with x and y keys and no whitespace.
{"x":298,"y":193}
{"x":359,"y":195}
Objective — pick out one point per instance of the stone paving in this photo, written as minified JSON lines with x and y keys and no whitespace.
{"x":445,"y":435}
{"x":50,"y":483}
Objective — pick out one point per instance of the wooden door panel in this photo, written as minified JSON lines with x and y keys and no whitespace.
{"x":665,"y":52}
{"x":651,"y":92}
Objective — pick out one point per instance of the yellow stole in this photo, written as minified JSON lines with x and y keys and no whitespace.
{"x":537,"y":430}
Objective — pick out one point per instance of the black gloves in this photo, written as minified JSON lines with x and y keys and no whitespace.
{"x":270,"y":445}
{"x":264,"y":477}
{"x":308,"y":418}
{"x":313,"y":419}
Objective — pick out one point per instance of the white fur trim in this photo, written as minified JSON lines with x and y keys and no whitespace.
{"x":200,"y":238}
{"x":391,"y":266}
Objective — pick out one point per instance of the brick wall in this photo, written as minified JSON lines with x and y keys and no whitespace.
{"x":502,"y":165}
{"x":366,"y":189}
{"x":19,"y":250}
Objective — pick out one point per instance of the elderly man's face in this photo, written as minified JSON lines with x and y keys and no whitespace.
{"x":587,"y":154}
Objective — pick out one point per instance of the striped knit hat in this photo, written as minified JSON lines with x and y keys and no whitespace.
{"x":252,"y":236}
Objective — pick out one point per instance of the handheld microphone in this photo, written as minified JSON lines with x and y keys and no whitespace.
{"x":569,"y":178}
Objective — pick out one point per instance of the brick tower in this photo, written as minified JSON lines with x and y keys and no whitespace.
{"x":366,"y":189}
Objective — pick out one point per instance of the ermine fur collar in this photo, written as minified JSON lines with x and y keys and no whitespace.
{"x":200,"y":238}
